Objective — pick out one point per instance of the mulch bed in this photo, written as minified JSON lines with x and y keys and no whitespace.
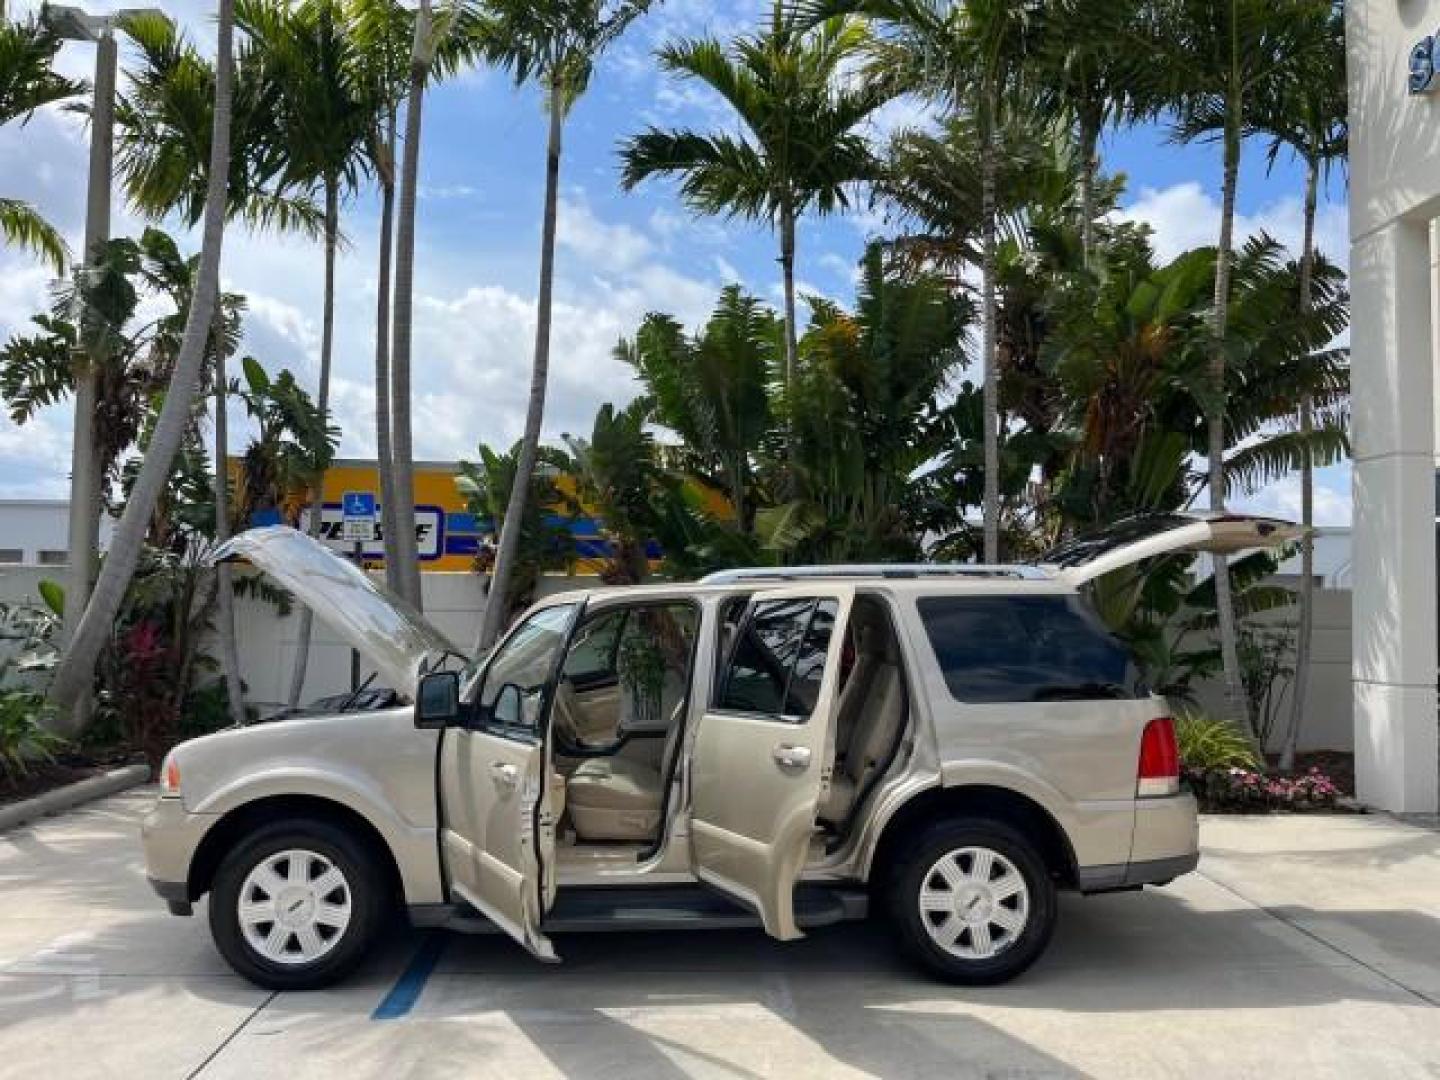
{"x":65,"y":769}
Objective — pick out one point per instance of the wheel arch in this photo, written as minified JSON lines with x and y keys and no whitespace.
{"x":976,"y":801}
{"x":242,"y":820}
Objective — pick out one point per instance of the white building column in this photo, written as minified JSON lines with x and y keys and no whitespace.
{"x":1397,"y":752}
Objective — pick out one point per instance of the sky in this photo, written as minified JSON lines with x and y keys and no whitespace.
{"x":619,"y":256}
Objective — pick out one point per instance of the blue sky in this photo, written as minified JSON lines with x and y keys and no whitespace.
{"x":620,"y":254}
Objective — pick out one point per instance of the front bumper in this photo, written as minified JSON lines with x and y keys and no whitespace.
{"x":170,"y":835}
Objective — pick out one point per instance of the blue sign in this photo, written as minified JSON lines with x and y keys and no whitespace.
{"x":358,"y":517}
{"x":360,"y":504}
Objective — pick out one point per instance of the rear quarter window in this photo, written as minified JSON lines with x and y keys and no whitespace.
{"x":994,"y":649}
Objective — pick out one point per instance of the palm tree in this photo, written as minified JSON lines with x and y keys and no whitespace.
{"x":969,"y":58}
{"x":799,"y":148}
{"x":1215,"y":60}
{"x":77,"y":667}
{"x":709,"y":389}
{"x":164,"y":119}
{"x":555,"y":44}
{"x":382,"y":28}
{"x":545,"y":543}
{"x":1307,"y":114}
{"x":1084,"y":73}
{"x":616,"y":475}
{"x":321,"y":123}
{"x":27,"y":82}
{"x":439,"y":47}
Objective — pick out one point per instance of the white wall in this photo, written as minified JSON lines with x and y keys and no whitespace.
{"x":267,"y":641}
{"x":1329,"y":722}
{"x":1394,"y":194}
{"x":36,"y":525}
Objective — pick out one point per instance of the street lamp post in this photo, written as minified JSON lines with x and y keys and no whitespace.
{"x":73,"y":24}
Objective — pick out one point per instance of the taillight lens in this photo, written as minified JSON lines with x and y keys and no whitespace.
{"x":170,"y":776}
{"x":1159,"y":772}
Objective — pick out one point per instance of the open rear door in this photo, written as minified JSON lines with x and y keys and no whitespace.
{"x":764,"y":750}
{"x":1135,"y":539}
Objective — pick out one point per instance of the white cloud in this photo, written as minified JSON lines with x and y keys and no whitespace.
{"x":612,"y":246}
{"x":1185,"y":216}
{"x":1282,"y":498}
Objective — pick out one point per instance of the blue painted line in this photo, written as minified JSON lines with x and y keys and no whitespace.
{"x":408,"y":988}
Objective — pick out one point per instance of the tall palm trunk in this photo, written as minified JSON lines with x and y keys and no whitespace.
{"x":383,"y":447}
{"x":87,"y":482}
{"x":495,"y":605}
{"x":1305,"y":632}
{"x":1089,"y":165}
{"x":1236,"y":706}
{"x":77,"y":667}
{"x":402,"y":551}
{"x":787,"y":270}
{"x":991,"y":420}
{"x":317,"y":495}
{"x":225,"y":594}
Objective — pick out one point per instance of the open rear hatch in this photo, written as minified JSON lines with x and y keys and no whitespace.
{"x":1135,"y":539}
{"x":394,"y":636}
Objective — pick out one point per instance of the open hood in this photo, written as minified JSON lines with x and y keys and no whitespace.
{"x":395,"y":637}
{"x":1134,"y":539}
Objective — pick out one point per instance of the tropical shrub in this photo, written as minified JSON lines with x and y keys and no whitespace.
{"x":24,"y":742}
{"x":1210,"y":744}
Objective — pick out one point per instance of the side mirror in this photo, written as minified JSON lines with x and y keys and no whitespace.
{"x":437,"y":703}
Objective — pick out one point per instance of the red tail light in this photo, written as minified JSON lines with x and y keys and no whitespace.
{"x":1159,"y":772}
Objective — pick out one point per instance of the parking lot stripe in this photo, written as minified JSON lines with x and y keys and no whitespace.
{"x":407,"y":989}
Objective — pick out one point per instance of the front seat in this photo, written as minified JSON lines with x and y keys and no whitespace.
{"x":619,"y":798}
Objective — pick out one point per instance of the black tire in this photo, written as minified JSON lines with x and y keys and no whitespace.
{"x":364,"y":887}
{"x":916,"y":869}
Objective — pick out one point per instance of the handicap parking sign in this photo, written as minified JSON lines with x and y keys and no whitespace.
{"x":358,"y":510}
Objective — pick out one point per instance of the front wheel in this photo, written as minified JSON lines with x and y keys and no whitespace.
{"x":972,"y":901}
{"x":295,"y":905}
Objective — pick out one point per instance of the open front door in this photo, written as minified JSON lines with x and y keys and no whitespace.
{"x":764,"y":750}
{"x":498,"y":821}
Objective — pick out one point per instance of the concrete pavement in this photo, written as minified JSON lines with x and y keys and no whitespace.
{"x":1304,"y":947}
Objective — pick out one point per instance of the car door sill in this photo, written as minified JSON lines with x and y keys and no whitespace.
{"x":621,"y":908}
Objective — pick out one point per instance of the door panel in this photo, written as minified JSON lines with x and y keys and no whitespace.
{"x":764,"y":751}
{"x":498,"y":834}
{"x":492,"y":850}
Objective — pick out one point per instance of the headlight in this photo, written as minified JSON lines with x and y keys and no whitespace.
{"x":169,"y":775}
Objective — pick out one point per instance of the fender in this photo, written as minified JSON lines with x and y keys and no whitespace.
{"x":413,"y":845}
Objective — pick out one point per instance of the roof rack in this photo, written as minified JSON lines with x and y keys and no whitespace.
{"x":893,"y":571}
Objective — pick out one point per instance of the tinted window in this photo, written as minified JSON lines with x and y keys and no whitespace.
{"x":525,"y":662}
{"x":1026,"y":648}
{"x":779,"y":658}
{"x":592,"y":656}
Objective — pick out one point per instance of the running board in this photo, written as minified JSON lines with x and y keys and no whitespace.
{"x":679,"y":907}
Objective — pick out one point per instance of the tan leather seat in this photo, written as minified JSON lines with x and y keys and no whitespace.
{"x":619,"y":798}
{"x":868,"y":719}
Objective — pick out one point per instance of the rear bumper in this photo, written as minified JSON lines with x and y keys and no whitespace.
{"x":1097,"y":879}
{"x":1165,"y":844}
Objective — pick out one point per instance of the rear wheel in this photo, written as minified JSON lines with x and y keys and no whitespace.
{"x":972,"y":901}
{"x":296,"y":905}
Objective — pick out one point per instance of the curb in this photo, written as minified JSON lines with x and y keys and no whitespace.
{"x":70,"y":796}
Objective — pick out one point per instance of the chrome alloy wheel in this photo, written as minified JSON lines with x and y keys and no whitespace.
{"x":974,"y":903}
{"x":294,"y":907}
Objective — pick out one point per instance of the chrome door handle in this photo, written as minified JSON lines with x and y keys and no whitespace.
{"x":504,"y":774}
{"x":792,"y":758}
